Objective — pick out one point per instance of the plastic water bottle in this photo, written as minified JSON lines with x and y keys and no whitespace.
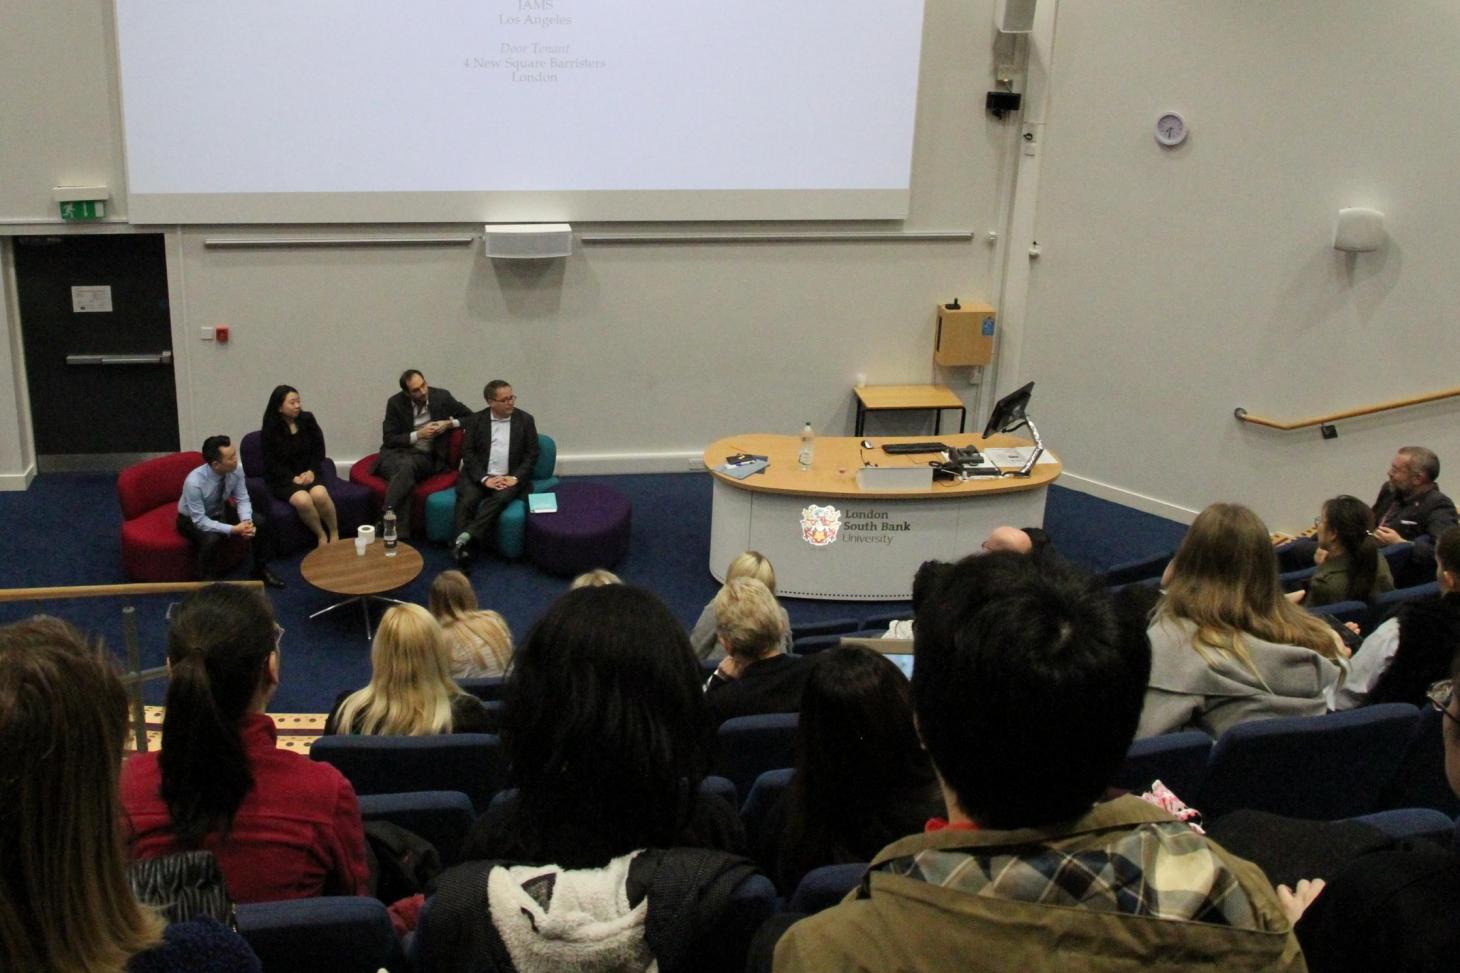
{"x":387,"y":532}
{"x":808,"y":446}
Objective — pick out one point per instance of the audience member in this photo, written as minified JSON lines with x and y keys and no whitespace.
{"x":1410,"y":507}
{"x":607,"y":737}
{"x":756,"y":675}
{"x":1411,"y":650}
{"x":411,"y":692}
{"x":1350,"y":567}
{"x":596,"y":578}
{"x":215,"y":504}
{"x":1027,"y":692}
{"x":1410,"y":504}
{"x":928,"y":575}
{"x":282,"y":826}
{"x":479,"y":642}
{"x":65,"y":904}
{"x":862,"y":777}
{"x":1032,"y":541}
{"x":498,"y":453}
{"x":293,"y":448}
{"x":1393,"y":909}
{"x":1226,"y":646}
{"x":415,"y":440}
{"x":748,"y":564}
{"x":1007,"y":538}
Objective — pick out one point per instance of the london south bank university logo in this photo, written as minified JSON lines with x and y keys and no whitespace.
{"x":819,"y":525}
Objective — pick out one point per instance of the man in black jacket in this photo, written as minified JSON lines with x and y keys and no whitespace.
{"x":497,"y":456}
{"x":414,"y":439}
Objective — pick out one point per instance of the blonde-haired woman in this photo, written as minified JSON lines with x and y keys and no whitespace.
{"x":478,"y":642}
{"x":65,"y":904}
{"x":1226,"y":645}
{"x":411,"y":692}
{"x":596,"y":578}
{"x":747,"y":564}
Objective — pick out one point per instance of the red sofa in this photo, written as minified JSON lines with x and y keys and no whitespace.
{"x":152,"y":549}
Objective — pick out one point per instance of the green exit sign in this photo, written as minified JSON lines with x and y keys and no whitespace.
{"x":85,"y":209}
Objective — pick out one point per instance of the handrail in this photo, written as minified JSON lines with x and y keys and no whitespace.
{"x":135,"y":675}
{"x":1368,"y":410}
{"x":113,"y":590}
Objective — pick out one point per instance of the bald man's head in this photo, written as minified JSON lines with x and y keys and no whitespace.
{"x":1008,"y":539}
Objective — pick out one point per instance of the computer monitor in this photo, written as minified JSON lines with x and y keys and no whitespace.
{"x":1008,"y":412}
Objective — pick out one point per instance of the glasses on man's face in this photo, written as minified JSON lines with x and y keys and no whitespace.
{"x":506,"y":399}
{"x":1440,"y":694}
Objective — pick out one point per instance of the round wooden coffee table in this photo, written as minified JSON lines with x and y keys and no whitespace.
{"x":336,"y":568}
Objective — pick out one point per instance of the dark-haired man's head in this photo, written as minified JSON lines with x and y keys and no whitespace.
{"x":1447,"y":560}
{"x":1413,"y":469}
{"x":929,"y":575}
{"x":220,"y":453}
{"x":414,"y":384}
{"x":500,"y":399}
{"x":1027,"y":688}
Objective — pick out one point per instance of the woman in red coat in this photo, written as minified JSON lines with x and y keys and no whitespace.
{"x":281,"y":825}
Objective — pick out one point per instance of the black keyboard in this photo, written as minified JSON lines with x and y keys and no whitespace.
{"x":898,"y":449}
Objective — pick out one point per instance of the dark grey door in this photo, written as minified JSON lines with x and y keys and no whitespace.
{"x":98,"y":347}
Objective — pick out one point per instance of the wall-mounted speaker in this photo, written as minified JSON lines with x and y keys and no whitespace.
{"x":527,"y":241}
{"x":1014,"y":16}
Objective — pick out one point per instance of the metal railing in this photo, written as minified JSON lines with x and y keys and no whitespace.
{"x":135,"y":675}
{"x":1327,"y":420}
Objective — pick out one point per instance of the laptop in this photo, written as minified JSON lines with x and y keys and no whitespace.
{"x":899,"y":651}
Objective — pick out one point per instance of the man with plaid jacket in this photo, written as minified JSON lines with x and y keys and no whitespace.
{"x":1027,"y":686}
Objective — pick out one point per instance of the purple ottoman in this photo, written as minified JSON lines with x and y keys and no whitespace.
{"x":590,"y":530}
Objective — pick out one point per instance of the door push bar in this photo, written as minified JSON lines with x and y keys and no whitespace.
{"x":161,"y":358}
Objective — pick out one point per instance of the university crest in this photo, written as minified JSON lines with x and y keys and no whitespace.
{"x":819,"y":525}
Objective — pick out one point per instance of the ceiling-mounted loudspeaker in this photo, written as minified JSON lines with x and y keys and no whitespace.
{"x":1014,"y":16}
{"x":528,"y":241}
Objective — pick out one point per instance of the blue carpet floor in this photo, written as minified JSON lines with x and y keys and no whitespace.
{"x":63,"y":531}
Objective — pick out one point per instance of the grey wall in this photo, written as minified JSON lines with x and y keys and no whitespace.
{"x":1172,"y":286}
{"x":632,"y":355}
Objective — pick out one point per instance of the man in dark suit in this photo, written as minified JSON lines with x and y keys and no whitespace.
{"x":414,"y":439}
{"x":497,"y":457}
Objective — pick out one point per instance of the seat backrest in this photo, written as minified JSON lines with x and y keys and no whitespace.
{"x":822,"y":888}
{"x":1430,"y":589}
{"x":751,"y":745}
{"x":1295,"y":579}
{"x":1344,"y":611}
{"x":1319,"y":767}
{"x":1137,"y":570}
{"x":547,"y":458}
{"x":485,"y":688}
{"x":765,"y":793}
{"x":468,"y":762}
{"x":721,"y":787}
{"x":453,"y":449}
{"x":443,"y":818}
{"x":151,"y":483}
{"x":830,"y":626}
{"x":1398,"y":556}
{"x":812,"y":644}
{"x":1412,"y":822}
{"x":331,"y":934}
{"x":1178,"y":760}
{"x":1420,"y":780}
{"x":251,"y":453}
{"x":884,"y":620}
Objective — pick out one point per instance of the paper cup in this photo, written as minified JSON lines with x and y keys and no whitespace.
{"x":360,"y":545}
{"x":366,"y":531}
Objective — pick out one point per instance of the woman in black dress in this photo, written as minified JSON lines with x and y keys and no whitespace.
{"x":294,"y":463}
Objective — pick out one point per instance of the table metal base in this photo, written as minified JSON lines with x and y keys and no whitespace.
{"x":364,"y":601}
